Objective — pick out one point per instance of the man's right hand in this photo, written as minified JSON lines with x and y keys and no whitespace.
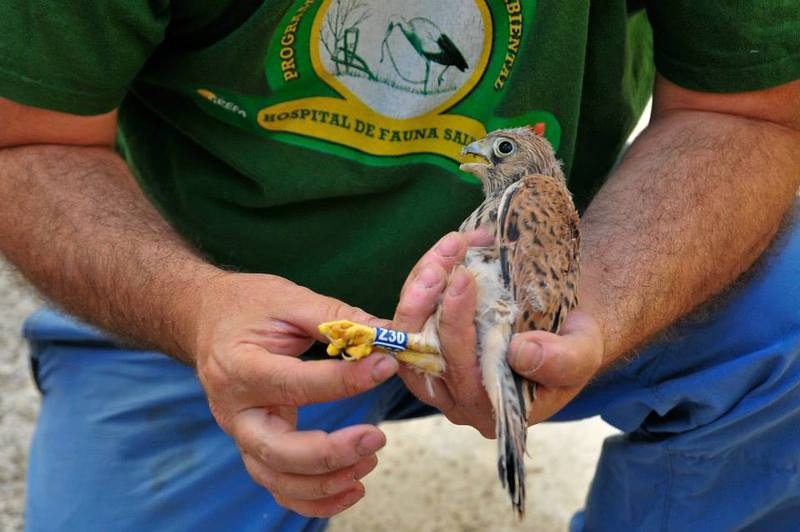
{"x":250,"y":329}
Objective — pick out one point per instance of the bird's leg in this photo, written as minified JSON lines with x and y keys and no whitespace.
{"x":383,"y":46}
{"x":354,"y":341}
{"x":424,"y":352}
{"x":441,"y":76}
{"x":427,"y":74}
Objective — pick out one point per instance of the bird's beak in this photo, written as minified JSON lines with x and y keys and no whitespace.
{"x":477,"y":158}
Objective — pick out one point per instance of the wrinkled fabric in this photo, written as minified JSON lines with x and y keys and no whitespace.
{"x":125,"y":441}
{"x":710,"y":414}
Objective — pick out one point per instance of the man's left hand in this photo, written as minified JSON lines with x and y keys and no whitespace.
{"x":560,"y":364}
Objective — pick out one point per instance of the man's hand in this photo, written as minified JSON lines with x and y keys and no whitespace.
{"x":250,"y":329}
{"x":96,"y":245}
{"x":561,"y":364}
{"x":459,"y":394}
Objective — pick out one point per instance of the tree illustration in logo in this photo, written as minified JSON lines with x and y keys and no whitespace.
{"x":340,"y":36}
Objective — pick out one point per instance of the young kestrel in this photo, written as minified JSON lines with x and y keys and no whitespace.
{"x":526,"y":281}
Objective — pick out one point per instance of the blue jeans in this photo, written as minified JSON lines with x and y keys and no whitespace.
{"x":125,"y":441}
{"x":710,"y":414}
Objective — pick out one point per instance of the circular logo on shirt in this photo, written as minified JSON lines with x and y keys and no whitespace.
{"x":402,"y":59}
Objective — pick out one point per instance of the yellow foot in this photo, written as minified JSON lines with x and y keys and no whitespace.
{"x":351,"y":340}
{"x":354,"y":341}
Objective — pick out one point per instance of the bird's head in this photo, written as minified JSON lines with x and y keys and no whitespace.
{"x":396,"y":20}
{"x":505,"y":155}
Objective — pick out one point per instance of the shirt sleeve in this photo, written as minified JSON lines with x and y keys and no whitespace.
{"x":726,"y":45}
{"x":77,"y":56}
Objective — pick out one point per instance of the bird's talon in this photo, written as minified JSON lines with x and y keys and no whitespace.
{"x":351,"y":340}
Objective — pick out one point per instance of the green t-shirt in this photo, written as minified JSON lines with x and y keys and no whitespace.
{"x":319,"y":139}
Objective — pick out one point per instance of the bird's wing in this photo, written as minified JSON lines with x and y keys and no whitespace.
{"x":538,"y":240}
{"x":426,"y":33}
{"x":450,"y":51}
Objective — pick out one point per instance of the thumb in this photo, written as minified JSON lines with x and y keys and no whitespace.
{"x":569,"y":358}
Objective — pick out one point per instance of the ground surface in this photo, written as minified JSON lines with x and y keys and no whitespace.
{"x":19,"y":401}
{"x":433,"y":476}
{"x":436,"y":477}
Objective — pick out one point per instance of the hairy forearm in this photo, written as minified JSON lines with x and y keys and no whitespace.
{"x":696,"y":200}
{"x":78,"y":227}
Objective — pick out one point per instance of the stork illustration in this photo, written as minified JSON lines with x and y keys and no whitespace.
{"x":429,"y":42}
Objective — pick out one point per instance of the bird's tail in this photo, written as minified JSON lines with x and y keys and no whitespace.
{"x":509,"y":395}
{"x":511,"y":427}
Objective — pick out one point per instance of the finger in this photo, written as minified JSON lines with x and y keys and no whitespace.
{"x":278,"y":380}
{"x":323,"y":507}
{"x":309,"y":487}
{"x":446,"y":253}
{"x":276,"y":445}
{"x":305,"y":310}
{"x":549,"y":401}
{"x":282,"y":338}
{"x":417,"y":304}
{"x":458,"y":338}
{"x":457,"y":333}
{"x":568,"y":359}
{"x":450,"y":251}
{"x":419,"y":301}
{"x":479,"y":238}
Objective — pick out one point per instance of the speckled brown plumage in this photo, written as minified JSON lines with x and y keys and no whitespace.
{"x":539,"y":241}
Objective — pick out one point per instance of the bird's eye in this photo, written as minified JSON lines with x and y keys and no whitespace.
{"x":503,"y":147}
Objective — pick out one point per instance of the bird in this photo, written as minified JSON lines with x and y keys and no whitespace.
{"x":526,"y":280}
{"x":429,"y":42}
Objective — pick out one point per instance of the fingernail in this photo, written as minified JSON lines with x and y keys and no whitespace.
{"x":448,"y":246}
{"x":370,"y":443}
{"x":429,"y":277}
{"x":458,"y":282}
{"x":528,"y":357}
{"x":384,"y":368}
